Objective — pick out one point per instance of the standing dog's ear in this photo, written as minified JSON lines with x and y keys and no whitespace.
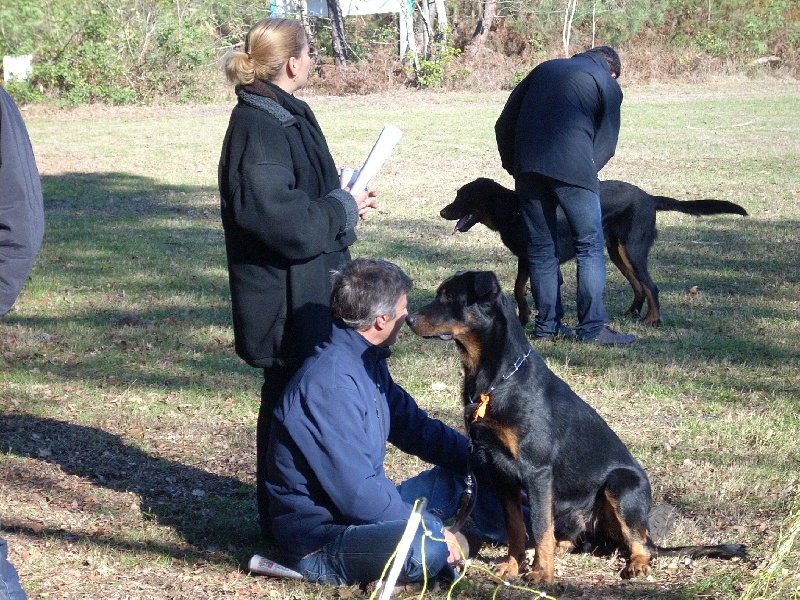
{"x":486,"y":284}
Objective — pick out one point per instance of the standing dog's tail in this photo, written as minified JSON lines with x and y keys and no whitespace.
{"x":724,"y":551}
{"x":699,"y":207}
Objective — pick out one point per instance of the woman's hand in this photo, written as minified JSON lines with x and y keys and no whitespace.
{"x":365,"y":201}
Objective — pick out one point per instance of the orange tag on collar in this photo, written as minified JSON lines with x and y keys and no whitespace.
{"x":480,"y":412}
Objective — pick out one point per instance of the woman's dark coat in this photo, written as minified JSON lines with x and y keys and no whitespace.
{"x":287,"y":225}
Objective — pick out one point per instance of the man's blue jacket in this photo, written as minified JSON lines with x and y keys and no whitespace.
{"x":328,"y":444}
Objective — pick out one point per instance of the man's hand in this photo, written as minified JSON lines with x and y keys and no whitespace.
{"x":454,"y":547}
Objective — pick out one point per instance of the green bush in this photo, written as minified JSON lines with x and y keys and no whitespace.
{"x":116,"y":52}
{"x":135,"y":51}
{"x":440,"y":69}
{"x":711,"y":43}
{"x":23,"y":92}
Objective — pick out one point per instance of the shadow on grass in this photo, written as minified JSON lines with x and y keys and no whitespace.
{"x":109,"y":230}
{"x":113,"y":194}
{"x":210,"y":512}
{"x":117,"y":240}
{"x":214,"y":524}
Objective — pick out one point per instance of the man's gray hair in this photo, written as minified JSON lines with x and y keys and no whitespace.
{"x":365,"y":289}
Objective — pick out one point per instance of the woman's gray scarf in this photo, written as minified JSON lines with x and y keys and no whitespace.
{"x":290,"y":111}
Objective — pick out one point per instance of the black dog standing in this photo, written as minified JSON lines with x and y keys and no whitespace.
{"x":536,"y":435}
{"x":629,"y":229}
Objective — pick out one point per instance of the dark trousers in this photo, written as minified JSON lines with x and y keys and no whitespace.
{"x":276,"y":379}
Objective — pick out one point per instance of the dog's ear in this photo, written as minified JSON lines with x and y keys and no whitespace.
{"x":486,"y":285}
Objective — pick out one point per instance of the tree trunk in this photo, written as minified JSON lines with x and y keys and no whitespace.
{"x":441,"y":19}
{"x":300,"y":8}
{"x":337,"y":33}
{"x":569,"y":17}
{"x":427,"y":28}
{"x":475,"y":45}
{"x":408,"y":41}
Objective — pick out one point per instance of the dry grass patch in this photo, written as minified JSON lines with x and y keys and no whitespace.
{"x":127,"y":423}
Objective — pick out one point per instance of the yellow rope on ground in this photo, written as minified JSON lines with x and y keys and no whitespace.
{"x":468,"y":562}
{"x":503,"y":584}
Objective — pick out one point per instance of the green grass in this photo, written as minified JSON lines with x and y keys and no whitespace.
{"x":127,"y":424}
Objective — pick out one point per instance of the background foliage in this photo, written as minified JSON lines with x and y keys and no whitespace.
{"x":138,"y":51}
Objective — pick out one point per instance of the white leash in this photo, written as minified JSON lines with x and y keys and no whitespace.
{"x":402,"y":549}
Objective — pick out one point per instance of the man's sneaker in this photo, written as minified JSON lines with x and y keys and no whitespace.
{"x":564,"y":333}
{"x":609,"y":337}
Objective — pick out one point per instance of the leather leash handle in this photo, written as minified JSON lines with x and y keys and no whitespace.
{"x":467,"y":501}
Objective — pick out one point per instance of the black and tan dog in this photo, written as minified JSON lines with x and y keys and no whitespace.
{"x":535,"y":435}
{"x":629,"y":225}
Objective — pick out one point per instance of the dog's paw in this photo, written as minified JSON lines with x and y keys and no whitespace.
{"x":564,"y":547}
{"x":508,"y":569}
{"x":638,"y":566}
{"x":539,"y":575}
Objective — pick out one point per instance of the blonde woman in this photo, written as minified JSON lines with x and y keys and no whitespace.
{"x":287,"y":223}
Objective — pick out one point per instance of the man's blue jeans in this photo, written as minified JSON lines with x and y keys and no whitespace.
{"x":539,"y":197}
{"x":362,"y":552}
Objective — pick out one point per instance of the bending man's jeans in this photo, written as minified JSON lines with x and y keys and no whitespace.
{"x":10,"y":588}
{"x":539,"y":197}
{"x":362,"y":552}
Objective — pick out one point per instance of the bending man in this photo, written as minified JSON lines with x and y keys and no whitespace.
{"x":558,"y":128}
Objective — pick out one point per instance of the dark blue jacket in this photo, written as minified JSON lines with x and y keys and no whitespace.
{"x":562,"y":121}
{"x":21,"y":205}
{"x":328,"y":444}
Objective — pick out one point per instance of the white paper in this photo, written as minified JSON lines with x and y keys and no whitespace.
{"x":348,"y":177}
{"x":386,"y":142}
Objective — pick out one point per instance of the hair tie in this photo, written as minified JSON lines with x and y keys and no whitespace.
{"x":248,"y":55}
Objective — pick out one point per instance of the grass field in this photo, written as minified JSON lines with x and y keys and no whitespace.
{"x":127,"y":422}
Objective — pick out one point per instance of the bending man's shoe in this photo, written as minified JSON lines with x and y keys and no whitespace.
{"x":609,"y":337}
{"x":660,"y":521}
{"x":563,"y":333}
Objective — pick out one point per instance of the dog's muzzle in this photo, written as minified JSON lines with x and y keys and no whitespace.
{"x":413,"y":321}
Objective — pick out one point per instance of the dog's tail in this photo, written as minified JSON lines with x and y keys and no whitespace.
{"x":724,"y":551}
{"x":699,"y":207}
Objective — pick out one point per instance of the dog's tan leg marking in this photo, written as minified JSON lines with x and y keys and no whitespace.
{"x":515,"y":526}
{"x":652,"y":317}
{"x":543,"y":569}
{"x":617,"y":254}
{"x":521,"y":293}
{"x":638,"y":564}
{"x":507,"y":436}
